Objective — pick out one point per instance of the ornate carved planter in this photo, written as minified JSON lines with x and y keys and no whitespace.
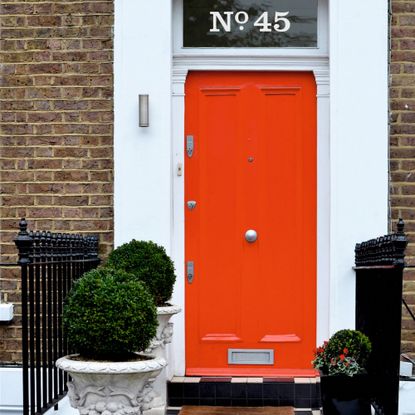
{"x":157,"y":406}
{"x":119,"y":388}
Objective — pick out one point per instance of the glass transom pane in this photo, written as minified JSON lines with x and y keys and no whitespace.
{"x":250,"y":23}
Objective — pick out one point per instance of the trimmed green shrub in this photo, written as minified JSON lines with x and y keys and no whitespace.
{"x":357,"y":344}
{"x":108,"y":314}
{"x":346,"y":353}
{"x":150,"y":264}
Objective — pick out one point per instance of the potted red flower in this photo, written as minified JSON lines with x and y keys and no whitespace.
{"x":345,"y":385}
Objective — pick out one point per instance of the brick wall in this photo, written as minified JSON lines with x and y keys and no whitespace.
{"x":56,"y":134}
{"x":402,"y":144}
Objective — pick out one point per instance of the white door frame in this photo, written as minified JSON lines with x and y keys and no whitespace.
{"x":182,"y":64}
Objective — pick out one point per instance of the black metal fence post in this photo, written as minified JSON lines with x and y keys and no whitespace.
{"x":50,"y":263}
{"x":379,"y":276}
{"x":24,"y":245}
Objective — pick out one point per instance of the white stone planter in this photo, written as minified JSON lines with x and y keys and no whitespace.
{"x":158,"y":348}
{"x":119,"y":388}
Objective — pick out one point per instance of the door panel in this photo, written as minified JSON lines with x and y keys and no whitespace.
{"x":253,"y":167}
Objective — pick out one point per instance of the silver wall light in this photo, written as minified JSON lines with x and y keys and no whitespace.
{"x":143,"y":111}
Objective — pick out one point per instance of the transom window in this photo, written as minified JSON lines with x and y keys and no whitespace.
{"x":250,"y":23}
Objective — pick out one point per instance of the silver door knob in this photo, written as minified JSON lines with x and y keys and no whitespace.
{"x":251,"y":236}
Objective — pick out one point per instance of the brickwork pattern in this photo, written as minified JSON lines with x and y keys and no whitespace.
{"x":56,"y":106}
{"x":402,"y":145}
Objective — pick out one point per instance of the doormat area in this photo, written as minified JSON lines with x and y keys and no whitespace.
{"x":218,"y":410}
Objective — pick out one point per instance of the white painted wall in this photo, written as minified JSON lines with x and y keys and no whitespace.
{"x":359,"y":141}
{"x":407,"y":398}
{"x":142,"y":155}
{"x":11,"y":396}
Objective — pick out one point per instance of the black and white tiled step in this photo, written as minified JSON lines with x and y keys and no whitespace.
{"x":301,"y":393}
{"x":176,"y":411}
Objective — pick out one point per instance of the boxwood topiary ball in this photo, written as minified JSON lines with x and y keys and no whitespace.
{"x":109,"y":314}
{"x":150,"y":264}
{"x":357,"y":344}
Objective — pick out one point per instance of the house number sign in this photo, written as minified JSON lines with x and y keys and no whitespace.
{"x":224,"y":20}
{"x":250,"y":23}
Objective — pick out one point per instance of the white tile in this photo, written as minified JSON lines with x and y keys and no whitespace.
{"x":178,"y":379}
{"x":255,"y":380}
{"x":191,"y":380}
{"x":301,"y":380}
{"x":239,"y":380}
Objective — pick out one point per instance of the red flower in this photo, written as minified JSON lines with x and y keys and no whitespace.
{"x":342,"y":357}
{"x":345,"y":350}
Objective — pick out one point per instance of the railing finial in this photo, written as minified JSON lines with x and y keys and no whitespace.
{"x":401,"y":225}
{"x":23,"y":226}
{"x":24,"y":243}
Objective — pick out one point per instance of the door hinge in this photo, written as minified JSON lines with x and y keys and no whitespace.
{"x":190,"y":145}
{"x":190,"y":270}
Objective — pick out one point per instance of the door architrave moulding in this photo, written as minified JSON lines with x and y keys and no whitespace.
{"x":314,"y":60}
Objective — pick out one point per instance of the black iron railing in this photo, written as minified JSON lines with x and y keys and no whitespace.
{"x":379,"y":275}
{"x":50,"y":263}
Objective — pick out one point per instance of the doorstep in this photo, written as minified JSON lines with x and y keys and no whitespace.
{"x":177,"y":411}
{"x":300,"y":393}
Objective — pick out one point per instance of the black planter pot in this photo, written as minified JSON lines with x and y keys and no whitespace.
{"x":345,"y":395}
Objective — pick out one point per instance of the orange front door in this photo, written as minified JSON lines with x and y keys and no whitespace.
{"x":250,"y":165}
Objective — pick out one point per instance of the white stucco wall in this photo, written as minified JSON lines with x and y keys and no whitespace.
{"x":358,"y":141}
{"x":407,"y":398}
{"x":143,"y":155}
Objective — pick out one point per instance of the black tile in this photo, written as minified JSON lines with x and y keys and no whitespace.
{"x":238,"y":390}
{"x":315,"y":403}
{"x":207,"y":390}
{"x":175,"y":401}
{"x":190,"y":401}
{"x":254,"y":390}
{"x":286,"y":401}
{"x":302,"y":403}
{"x":191,"y":390}
{"x":239,"y":402}
{"x":223,"y":390}
{"x":270,"y":390}
{"x":207,"y":401}
{"x":315,"y":395}
{"x":271,"y":402}
{"x":173,"y":412}
{"x":286,"y":390}
{"x":223,"y":401}
{"x":175,"y":390}
{"x":303,"y":390}
{"x":255,"y":402}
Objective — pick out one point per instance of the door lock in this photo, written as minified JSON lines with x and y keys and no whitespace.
{"x":190,"y":145}
{"x":191,"y":204}
{"x":190,"y":271}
